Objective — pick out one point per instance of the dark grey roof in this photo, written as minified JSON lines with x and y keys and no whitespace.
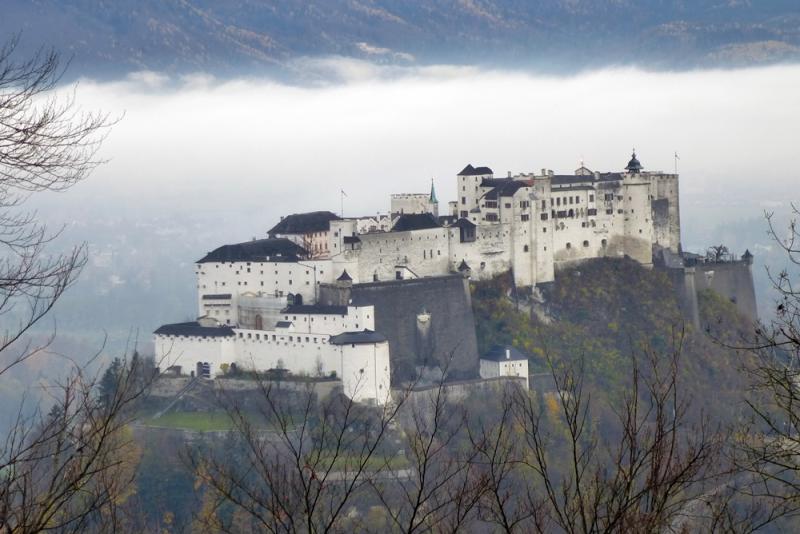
{"x":634,"y":165}
{"x":569,"y":179}
{"x":316,"y":309}
{"x":505,"y":188}
{"x":350,"y":239}
{"x":495,"y":182}
{"x":274,"y":249}
{"x":498,"y":354}
{"x":415,"y":221}
{"x":304,"y":223}
{"x":283,"y":324}
{"x":463,"y":223}
{"x":344,"y":277}
{"x":576,"y":188}
{"x":469,"y":170}
{"x":220,"y":296}
{"x":572,"y":179}
{"x":194,"y":329}
{"x":363,"y":337}
{"x":463,"y":266}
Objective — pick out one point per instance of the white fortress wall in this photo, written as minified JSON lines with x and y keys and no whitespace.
{"x":356,"y":318}
{"x":665,"y":195}
{"x":187,"y":351}
{"x":410,"y":203}
{"x":301,"y":345}
{"x":638,"y":219}
{"x":425,"y":252}
{"x":269,"y":278}
{"x":366,"y":371}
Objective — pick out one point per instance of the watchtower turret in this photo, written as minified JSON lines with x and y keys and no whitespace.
{"x":634,"y":165}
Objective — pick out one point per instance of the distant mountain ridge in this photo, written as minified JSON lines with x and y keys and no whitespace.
{"x":108,"y":38}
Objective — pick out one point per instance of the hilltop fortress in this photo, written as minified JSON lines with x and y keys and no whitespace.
{"x":371,"y":300}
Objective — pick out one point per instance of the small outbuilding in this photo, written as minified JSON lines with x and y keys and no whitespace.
{"x":504,"y":360}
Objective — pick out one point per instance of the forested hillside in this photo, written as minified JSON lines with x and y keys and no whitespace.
{"x":110,"y":38}
{"x":606,"y":312}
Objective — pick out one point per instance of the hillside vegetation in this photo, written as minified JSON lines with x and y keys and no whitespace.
{"x":606,"y":312}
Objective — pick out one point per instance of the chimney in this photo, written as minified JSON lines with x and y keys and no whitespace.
{"x":544,"y":172}
{"x":508,"y":354}
{"x":509,"y":174}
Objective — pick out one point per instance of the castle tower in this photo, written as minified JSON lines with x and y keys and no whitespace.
{"x":634,"y":165}
{"x":433,"y":202}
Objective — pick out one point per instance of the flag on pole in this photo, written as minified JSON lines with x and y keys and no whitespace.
{"x":343,"y":193}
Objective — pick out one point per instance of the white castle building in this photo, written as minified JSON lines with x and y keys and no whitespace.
{"x":258,"y":301}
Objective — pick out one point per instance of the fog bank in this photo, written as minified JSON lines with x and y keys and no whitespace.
{"x":197,"y":143}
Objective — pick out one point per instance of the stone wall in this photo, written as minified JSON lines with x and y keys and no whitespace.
{"x":732,"y":280}
{"x":425,"y":319}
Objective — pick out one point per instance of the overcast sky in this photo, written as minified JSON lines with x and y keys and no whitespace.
{"x":198,"y":144}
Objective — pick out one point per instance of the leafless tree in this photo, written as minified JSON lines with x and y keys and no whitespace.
{"x":717,"y":253}
{"x":46,"y":144}
{"x":650,"y":469}
{"x":526,"y":465}
{"x":70,"y":469}
{"x":769,"y":448}
{"x":440,"y":487}
{"x":63,"y":470}
{"x":296,"y":464}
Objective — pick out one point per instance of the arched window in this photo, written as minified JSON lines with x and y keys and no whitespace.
{"x":585,"y":243}
{"x":525,"y":248}
{"x":569,"y":246}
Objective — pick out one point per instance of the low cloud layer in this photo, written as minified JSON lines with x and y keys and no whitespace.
{"x":201,"y":144}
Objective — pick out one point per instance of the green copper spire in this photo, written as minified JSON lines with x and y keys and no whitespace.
{"x":433,"y":194}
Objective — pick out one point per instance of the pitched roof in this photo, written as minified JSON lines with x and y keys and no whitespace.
{"x":315,"y":309}
{"x":498,"y":354}
{"x":194,"y":329}
{"x":344,"y":277}
{"x":571,"y":179}
{"x":273,"y":249}
{"x":463,"y":266}
{"x":463,"y":223}
{"x":283,"y":324}
{"x":469,"y":170}
{"x":415,"y":221}
{"x":495,"y":182}
{"x":304,"y":223}
{"x":357,"y":338}
{"x":504,"y":189}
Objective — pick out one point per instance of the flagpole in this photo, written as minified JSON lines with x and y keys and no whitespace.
{"x":676,"y":162}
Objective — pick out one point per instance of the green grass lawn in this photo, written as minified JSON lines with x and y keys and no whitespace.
{"x":198,"y":421}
